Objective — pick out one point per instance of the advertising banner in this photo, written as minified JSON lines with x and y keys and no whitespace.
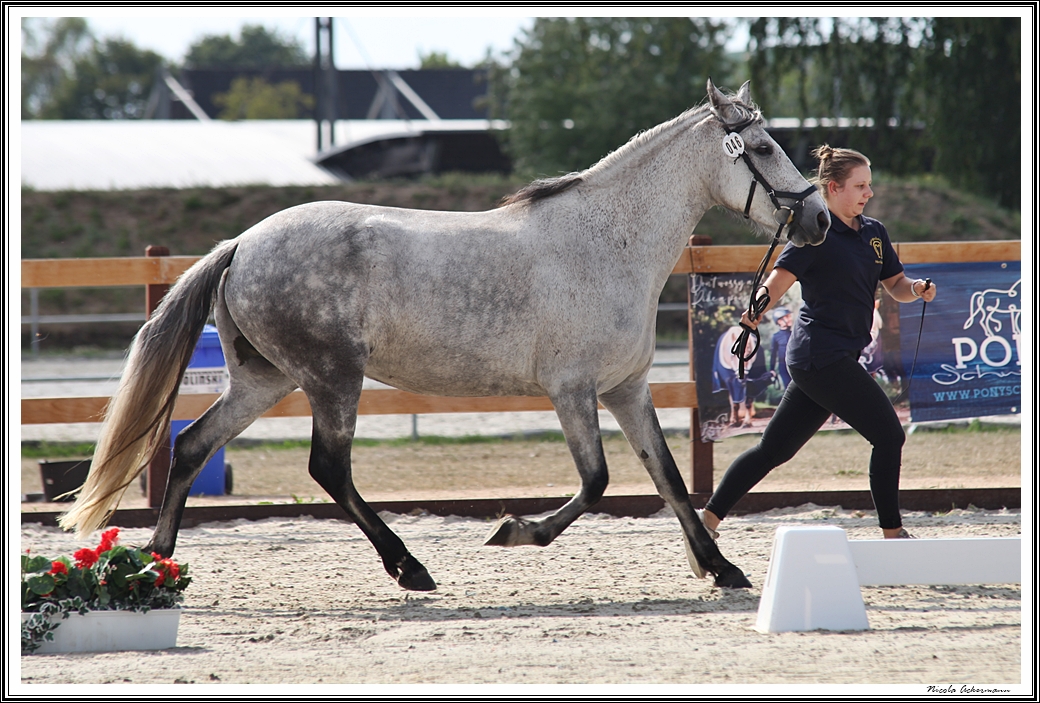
{"x":968,"y":364}
{"x":967,"y":361}
{"x":729,"y":406}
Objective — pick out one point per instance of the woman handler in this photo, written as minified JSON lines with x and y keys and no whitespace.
{"x":839,"y":280}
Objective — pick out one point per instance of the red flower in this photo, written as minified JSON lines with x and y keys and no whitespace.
{"x":58,"y":567}
{"x":86,"y":558}
{"x":108,"y":540}
{"x":165,"y":568}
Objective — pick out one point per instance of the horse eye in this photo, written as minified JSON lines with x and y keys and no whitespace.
{"x":764,"y":149}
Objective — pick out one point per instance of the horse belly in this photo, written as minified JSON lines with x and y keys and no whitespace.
{"x":451,"y":370}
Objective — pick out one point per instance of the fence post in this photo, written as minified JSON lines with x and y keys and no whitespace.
{"x":702,"y":460}
{"x":34,"y":313}
{"x":159,"y":466}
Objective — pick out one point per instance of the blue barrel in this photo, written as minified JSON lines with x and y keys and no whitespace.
{"x":206,"y":373}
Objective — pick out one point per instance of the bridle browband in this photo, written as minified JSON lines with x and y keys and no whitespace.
{"x":783,"y":215}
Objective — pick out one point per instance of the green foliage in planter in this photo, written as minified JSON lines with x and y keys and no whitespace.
{"x":110,"y":577}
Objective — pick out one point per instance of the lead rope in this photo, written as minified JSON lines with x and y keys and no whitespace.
{"x":756,"y":306}
{"x":733,"y":144}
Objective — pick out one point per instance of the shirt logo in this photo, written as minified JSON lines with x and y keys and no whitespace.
{"x":878,"y":250}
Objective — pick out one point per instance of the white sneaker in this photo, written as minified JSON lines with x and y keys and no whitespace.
{"x":698,"y":570}
{"x":714,"y":533}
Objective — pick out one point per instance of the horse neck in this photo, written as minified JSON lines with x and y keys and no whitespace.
{"x":652,"y":190}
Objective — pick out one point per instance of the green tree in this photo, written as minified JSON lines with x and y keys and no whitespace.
{"x":578,"y":88}
{"x":256,"y":99}
{"x":50,"y":50}
{"x":113,"y":82}
{"x":976,"y":103}
{"x":67,"y":74}
{"x":948,"y":87}
{"x":867,"y":69}
{"x":437,"y":59}
{"x":256,"y":47}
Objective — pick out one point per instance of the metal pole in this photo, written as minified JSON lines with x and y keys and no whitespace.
{"x":324,"y":81}
{"x":330,"y":77}
{"x":318,"y":97}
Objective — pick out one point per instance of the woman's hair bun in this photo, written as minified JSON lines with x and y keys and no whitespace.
{"x":823,"y":152}
{"x":836,"y":164}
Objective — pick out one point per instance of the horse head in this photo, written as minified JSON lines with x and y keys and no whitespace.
{"x":756,"y":177}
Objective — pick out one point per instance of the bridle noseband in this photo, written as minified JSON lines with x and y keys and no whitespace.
{"x":782,"y":215}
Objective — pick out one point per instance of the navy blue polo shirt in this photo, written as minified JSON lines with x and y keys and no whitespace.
{"x":839,"y":281}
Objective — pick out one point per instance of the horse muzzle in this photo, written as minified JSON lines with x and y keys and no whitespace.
{"x":805,"y":224}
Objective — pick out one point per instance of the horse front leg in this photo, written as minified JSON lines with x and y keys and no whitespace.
{"x":580,"y":421}
{"x":334,"y":421}
{"x":633,"y":409}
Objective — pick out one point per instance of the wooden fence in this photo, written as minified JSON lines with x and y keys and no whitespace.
{"x":157,"y":271}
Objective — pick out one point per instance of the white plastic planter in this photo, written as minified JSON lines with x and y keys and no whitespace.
{"x":113,"y":631}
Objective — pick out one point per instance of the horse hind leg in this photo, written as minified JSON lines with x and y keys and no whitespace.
{"x":242,"y":403}
{"x":335,"y":419}
{"x":255,"y":386}
{"x":633,"y":409}
{"x":580,"y":421}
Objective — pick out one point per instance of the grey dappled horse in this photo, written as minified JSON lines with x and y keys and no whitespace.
{"x":554,"y":293}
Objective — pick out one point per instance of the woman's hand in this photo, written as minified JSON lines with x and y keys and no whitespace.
{"x":746,"y":321}
{"x":923,"y":289}
{"x":777,"y":283}
{"x":907,"y":290}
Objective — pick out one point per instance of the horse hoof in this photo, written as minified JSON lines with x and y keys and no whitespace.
{"x":732,"y":577}
{"x":503,"y":533}
{"x":418,"y":580}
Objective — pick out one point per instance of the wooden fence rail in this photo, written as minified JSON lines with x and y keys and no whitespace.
{"x":143,"y":271}
{"x":376,"y":401}
{"x":157,"y":271}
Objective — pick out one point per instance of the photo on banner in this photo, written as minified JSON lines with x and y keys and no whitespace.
{"x":729,"y":406}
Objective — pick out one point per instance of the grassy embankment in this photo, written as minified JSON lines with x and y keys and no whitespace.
{"x":191,"y":221}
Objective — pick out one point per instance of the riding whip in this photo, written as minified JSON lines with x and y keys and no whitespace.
{"x":903,"y":394}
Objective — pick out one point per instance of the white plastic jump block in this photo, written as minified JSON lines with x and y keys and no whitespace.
{"x":815,"y":573}
{"x":811,"y":583}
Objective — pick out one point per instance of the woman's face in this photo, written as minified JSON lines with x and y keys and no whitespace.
{"x":848,"y":200}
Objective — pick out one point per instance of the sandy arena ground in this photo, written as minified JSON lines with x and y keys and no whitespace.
{"x":284,"y":603}
{"x":612,"y":601}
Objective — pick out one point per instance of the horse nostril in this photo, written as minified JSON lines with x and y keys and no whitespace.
{"x":823,"y":222}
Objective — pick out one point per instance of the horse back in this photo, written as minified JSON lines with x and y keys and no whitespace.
{"x":434,"y":302}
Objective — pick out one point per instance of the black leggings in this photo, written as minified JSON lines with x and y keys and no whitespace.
{"x":847,"y":390}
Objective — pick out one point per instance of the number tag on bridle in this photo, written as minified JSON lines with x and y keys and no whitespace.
{"x":733,"y":145}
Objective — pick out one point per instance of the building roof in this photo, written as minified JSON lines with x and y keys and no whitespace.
{"x":453,"y":94}
{"x":136,"y":154}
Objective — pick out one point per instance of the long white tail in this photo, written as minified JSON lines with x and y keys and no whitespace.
{"x":137,"y":419}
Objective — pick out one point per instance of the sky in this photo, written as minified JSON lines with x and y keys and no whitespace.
{"x":363,"y":38}
{"x":381,"y":37}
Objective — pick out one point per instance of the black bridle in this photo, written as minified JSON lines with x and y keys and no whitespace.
{"x":783,"y":215}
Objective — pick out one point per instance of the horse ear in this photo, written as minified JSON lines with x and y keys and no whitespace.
{"x":722,"y":106}
{"x":744,"y":94}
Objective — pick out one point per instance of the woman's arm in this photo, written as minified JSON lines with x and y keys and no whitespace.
{"x":778,"y":282}
{"x":907,"y":290}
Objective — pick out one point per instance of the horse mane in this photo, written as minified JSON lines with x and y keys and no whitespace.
{"x":547,"y":187}
{"x":543,"y":188}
